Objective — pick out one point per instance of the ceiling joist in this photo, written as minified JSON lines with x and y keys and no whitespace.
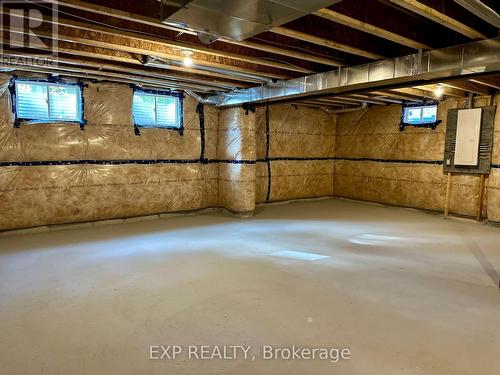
{"x":137,"y":18}
{"x":124,"y":45}
{"x":432,"y":14}
{"x":324,"y":42}
{"x":370,"y":29}
{"x":169,"y":43}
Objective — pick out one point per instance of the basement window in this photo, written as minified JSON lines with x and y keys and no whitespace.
{"x":157,"y":109}
{"x":47,"y":102}
{"x":422,"y":115}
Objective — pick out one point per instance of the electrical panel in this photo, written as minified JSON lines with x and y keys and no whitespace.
{"x":468,"y":136}
{"x":469,"y":140}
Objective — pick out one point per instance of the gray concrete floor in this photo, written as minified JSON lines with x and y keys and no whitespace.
{"x":407,"y":292}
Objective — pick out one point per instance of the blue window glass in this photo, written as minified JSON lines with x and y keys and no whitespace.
{"x":420,"y":115}
{"x":50,"y":102}
{"x":156,"y":110}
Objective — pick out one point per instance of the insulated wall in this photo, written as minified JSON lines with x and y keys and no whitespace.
{"x":104,"y":171}
{"x":236,"y":153}
{"x":377,"y":162}
{"x":295,"y":152}
{"x":493,"y":192}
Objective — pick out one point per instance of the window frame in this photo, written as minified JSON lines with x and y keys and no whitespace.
{"x":421,"y":124}
{"x":46,"y":82}
{"x":180,"y":109}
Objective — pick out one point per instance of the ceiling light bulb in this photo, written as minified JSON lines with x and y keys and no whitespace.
{"x":188,"y":61}
{"x":439,"y":90}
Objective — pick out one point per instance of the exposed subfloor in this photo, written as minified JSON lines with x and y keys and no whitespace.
{"x":407,"y":292}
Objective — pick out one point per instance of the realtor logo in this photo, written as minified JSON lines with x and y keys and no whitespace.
{"x":29,"y":31}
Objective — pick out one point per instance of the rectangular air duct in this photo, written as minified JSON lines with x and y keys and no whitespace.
{"x":236,"y":19}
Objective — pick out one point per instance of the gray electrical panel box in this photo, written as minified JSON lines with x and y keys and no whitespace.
{"x":469,"y":140}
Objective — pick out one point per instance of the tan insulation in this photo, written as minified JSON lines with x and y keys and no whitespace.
{"x":374,"y":134}
{"x":33,"y":196}
{"x":41,"y":195}
{"x":409,"y":185}
{"x":301,"y":179}
{"x":261,"y":182}
{"x":301,"y":132}
{"x":493,"y":183}
{"x":493,"y":195}
{"x":295,"y":132}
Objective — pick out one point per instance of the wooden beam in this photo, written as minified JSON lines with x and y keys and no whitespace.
{"x":366,"y":98}
{"x":447,"y":91}
{"x":113,"y":78}
{"x":288,"y":53}
{"x":474,"y":88}
{"x":448,"y":196}
{"x":432,"y":14}
{"x":399,"y":96}
{"x":137,"y":18}
{"x":338,"y":101}
{"x":149,"y":52}
{"x":370,"y":29}
{"x":123,"y":69}
{"x":485,"y":83}
{"x":171,"y":43}
{"x":324,"y":42}
{"x":79,"y":52}
{"x":416,"y":93}
{"x":480,"y":198}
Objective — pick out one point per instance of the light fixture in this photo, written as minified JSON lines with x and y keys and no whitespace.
{"x":188,"y":61}
{"x":439,"y":90}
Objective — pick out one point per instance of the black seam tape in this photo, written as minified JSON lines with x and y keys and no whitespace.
{"x":200,"y":109}
{"x":437,"y":162}
{"x":207,"y":161}
{"x":269,"y":177}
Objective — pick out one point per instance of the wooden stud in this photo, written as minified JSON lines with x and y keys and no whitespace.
{"x":481,"y":197}
{"x":448,"y":196}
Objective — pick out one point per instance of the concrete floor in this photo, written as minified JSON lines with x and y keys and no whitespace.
{"x":407,"y":292}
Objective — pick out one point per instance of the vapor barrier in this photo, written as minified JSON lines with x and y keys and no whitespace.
{"x":377,"y":162}
{"x":57,"y":173}
{"x":296,"y":151}
{"x":33,"y":196}
{"x":237,"y":143}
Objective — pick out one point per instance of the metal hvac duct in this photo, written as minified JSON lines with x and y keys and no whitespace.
{"x":457,"y":61}
{"x":481,"y":10}
{"x":237,"y":19}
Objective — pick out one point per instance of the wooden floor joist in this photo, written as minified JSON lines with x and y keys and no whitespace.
{"x":99,"y":54}
{"x":324,"y":42}
{"x":169,"y":43}
{"x":438,"y":17}
{"x":137,"y":18}
{"x":370,"y":29}
{"x":149,"y":52}
{"x":122,"y":69}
